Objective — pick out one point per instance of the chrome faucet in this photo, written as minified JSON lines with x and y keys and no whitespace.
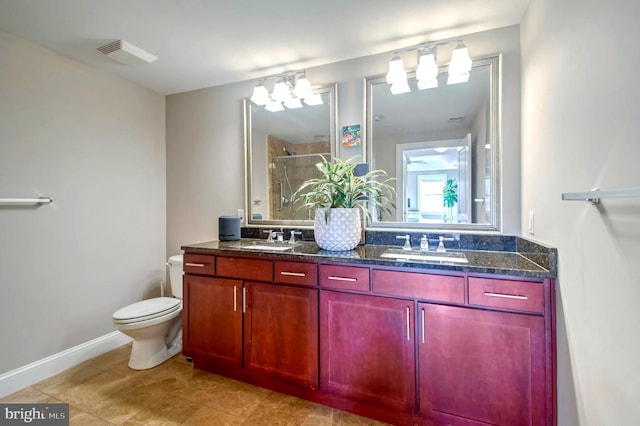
{"x":271,"y":235}
{"x":407,"y":241}
{"x":292,"y":240}
{"x":442,"y":238}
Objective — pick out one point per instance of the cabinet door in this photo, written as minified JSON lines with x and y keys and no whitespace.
{"x":281,"y":333}
{"x":478,"y":367}
{"x":367,"y":349}
{"x":213,"y":322}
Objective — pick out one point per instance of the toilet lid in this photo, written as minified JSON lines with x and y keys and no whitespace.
{"x":146,"y":309}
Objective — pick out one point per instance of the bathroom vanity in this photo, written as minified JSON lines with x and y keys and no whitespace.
{"x":406,"y":342}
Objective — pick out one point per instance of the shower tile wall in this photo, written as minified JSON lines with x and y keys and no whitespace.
{"x":289,"y":166}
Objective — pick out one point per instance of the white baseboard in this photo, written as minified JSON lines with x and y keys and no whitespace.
{"x":22,"y":377}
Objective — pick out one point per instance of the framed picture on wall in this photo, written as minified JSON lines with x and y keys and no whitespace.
{"x":351,"y":135}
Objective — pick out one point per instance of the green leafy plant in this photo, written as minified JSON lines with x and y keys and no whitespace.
{"x":449,"y":196}
{"x":339,"y":187}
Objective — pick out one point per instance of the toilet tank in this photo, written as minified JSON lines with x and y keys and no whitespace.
{"x":175,"y":274}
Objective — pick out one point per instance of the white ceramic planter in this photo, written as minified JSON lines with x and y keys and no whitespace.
{"x":341,"y":232}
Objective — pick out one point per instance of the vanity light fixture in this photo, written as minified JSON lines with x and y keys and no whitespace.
{"x":427,"y":72}
{"x":285,"y":92}
{"x":260,"y":95}
{"x":460,"y":64}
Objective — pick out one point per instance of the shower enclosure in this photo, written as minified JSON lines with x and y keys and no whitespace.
{"x":287,"y":173}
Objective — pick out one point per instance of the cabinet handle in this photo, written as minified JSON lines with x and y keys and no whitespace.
{"x":244,"y":300}
{"x":341,"y":279}
{"x":293,"y":274}
{"x":196,"y":265}
{"x":422,"y":325}
{"x":235,"y":298}
{"x":408,"y":325}
{"x":505,"y":296}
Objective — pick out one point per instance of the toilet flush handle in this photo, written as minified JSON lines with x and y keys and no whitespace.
{"x":162,"y":282}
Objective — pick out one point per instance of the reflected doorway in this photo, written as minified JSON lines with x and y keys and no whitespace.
{"x":423,"y":170}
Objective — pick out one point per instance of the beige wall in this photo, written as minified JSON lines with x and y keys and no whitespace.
{"x":205,"y":138}
{"x":580,"y":126}
{"x":205,"y":162}
{"x":95,"y":144}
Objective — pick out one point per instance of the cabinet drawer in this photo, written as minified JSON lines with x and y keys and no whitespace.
{"x":245,"y":269}
{"x":297,"y":273}
{"x":441,"y":288}
{"x":344,"y":277}
{"x":507,"y":294}
{"x":199,"y":264}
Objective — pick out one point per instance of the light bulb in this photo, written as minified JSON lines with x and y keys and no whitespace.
{"x":314,"y":100}
{"x":427,"y":72}
{"x":260,"y":95}
{"x":458,"y":78}
{"x":293,"y":103}
{"x":274,"y":106}
{"x":398,"y":88}
{"x":303,"y":87}
{"x":460,"y":60}
{"x":396,"y":73}
{"x":281,"y":91}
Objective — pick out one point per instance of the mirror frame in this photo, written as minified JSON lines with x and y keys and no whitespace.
{"x":495,"y":99}
{"x":334,"y":140}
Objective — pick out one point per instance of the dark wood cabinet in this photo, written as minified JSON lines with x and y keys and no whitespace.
{"x":212,"y":324}
{"x":281,"y":333}
{"x":401,"y":345}
{"x":367,"y":349}
{"x":237,"y":327}
{"x":480,"y":367}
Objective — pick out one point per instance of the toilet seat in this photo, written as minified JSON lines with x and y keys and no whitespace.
{"x":146,"y":310}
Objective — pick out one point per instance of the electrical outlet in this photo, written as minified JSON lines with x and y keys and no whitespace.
{"x":240,"y":214}
{"x":531,"y":223}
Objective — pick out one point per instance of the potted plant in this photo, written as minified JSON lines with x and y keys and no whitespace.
{"x":338,"y":196}
{"x":449,"y":199}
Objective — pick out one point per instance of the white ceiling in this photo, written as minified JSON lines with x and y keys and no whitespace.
{"x":203,"y":43}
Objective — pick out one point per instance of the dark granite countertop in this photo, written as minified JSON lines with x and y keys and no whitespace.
{"x":515,"y":263}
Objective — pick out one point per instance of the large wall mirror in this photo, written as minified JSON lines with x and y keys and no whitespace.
{"x":427,"y":138}
{"x":282,"y":148}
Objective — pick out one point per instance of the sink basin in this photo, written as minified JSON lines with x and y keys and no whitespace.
{"x":272,"y":247}
{"x":417,"y":256}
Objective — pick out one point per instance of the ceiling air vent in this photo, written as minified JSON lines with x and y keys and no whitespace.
{"x":126,"y":53}
{"x":456,"y":119}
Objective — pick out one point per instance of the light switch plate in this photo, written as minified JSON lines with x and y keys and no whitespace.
{"x":531,"y":223}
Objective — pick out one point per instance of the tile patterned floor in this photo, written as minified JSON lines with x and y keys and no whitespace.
{"x":104,"y":391}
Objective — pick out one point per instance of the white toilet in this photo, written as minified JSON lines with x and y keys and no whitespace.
{"x":155,"y":325}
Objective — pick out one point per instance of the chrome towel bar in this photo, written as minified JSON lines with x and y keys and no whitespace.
{"x":595,"y":195}
{"x":25,"y":201}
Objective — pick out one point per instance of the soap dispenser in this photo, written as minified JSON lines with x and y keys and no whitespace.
{"x":424,"y":243}
{"x":441,"y":248}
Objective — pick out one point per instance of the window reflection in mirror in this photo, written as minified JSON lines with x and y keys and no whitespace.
{"x":426,"y":138}
{"x":282,"y":149}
